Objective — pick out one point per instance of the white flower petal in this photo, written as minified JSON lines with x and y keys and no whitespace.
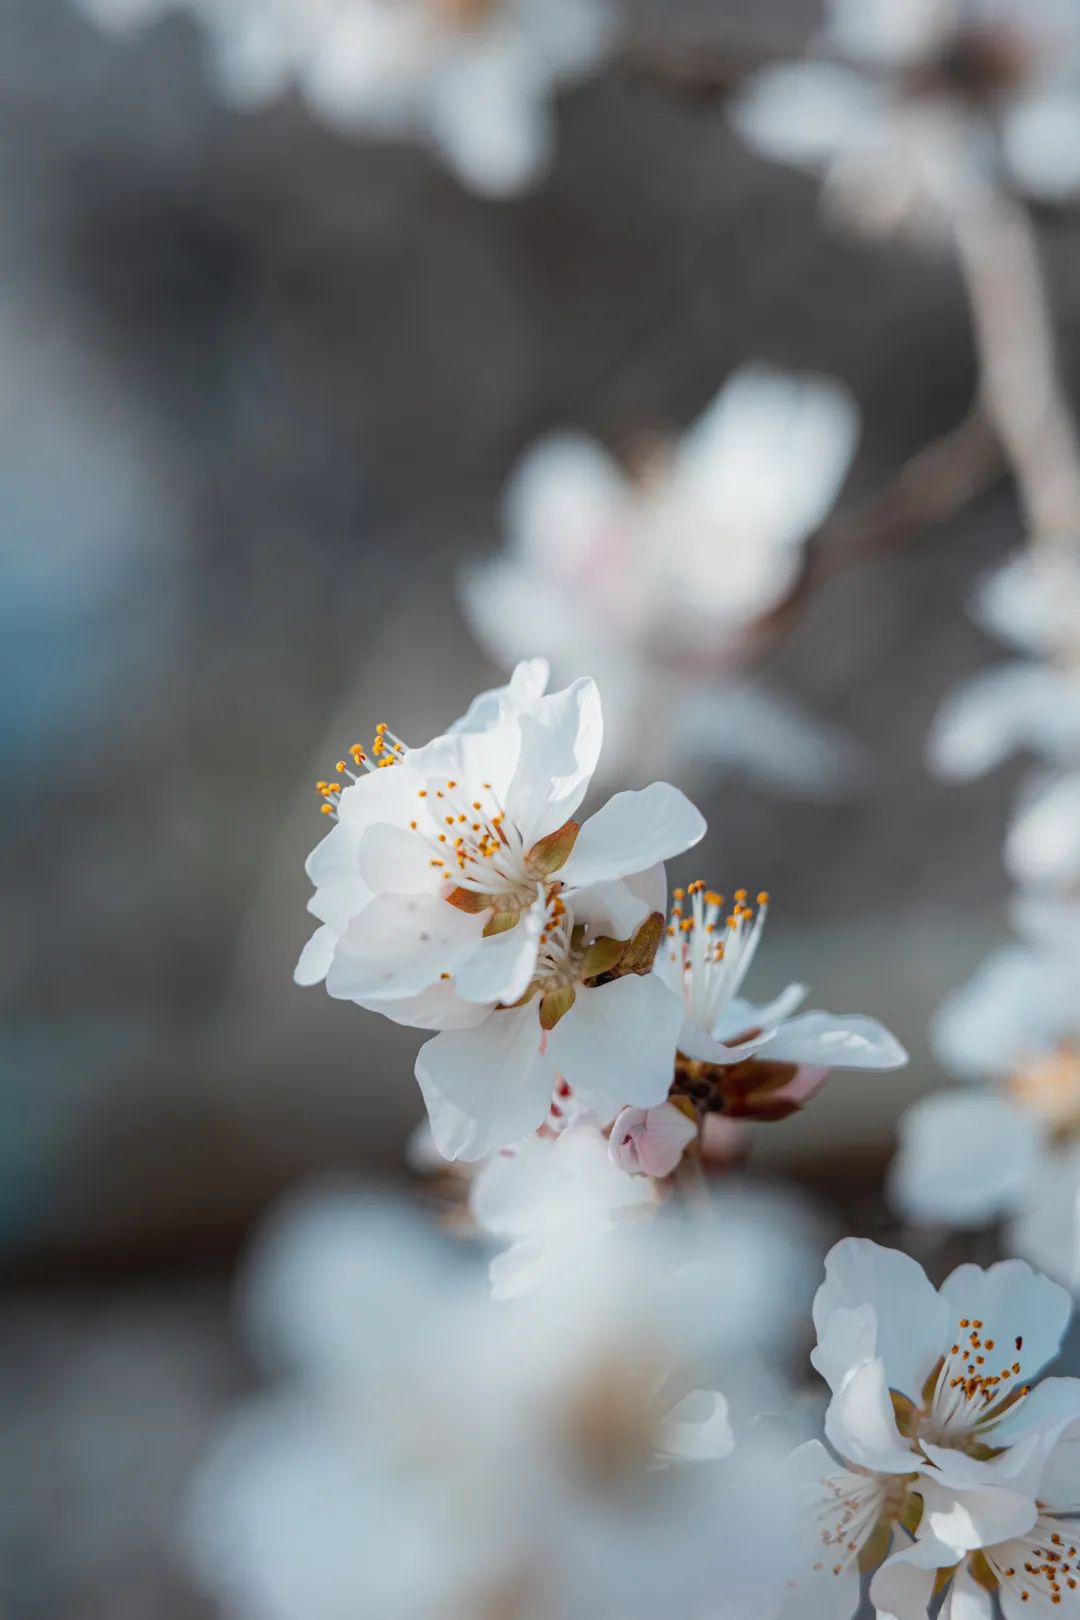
{"x":527,"y":684}
{"x":1012,"y":1300}
{"x":487,"y":113}
{"x":913,"y":1320}
{"x":489,"y":1086}
{"x":632,"y":833}
{"x":847,"y":1338}
{"x":806,"y":114}
{"x":399,"y":944}
{"x":564,"y":494}
{"x":836,"y":1041}
{"x":395,"y":860}
{"x":967,"y":1519}
{"x":1005,"y":708}
{"x":561,"y":738}
{"x":1043,"y":843}
{"x":903,"y":1586}
{"x":316,"y":957}
{"x":728,"y":457}
{"x":965,"y":1158}
{"x":500,"y":968}
{"x":861,"y":1425}
{"x":698,"y":1428}
{"x":1012,"y":1007}
{"x":966,"y":1599}
{"x":620,"y":1037}
{"x":1047,"y":1232}
{"x":1041,"y":139}
{"x":890,"y":33}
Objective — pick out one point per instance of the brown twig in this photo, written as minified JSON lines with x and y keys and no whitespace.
{"x":937,"y":483}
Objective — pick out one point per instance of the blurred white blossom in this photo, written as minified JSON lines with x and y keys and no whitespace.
{"x":970,"y":1155}
{"x":911,"y":103}
{"x":1033,"y":603}
{"x":434,"y":1455}
{"x":473,"y":78}
{"x":657,"y":579}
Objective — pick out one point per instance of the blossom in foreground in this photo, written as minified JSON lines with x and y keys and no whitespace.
{"x":660,"y":578}
{"x":551,"y":1199}
{"x":745,"y":1059}
{"x":936,"y":1425}
{"x":1010,"y":1144}
{"x":458,"y":893}
{"x":473,"y":78}
{"x":437,"y":1456}
{"x":927,"y":98}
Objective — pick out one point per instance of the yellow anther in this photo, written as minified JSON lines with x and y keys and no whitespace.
{"x":326,"y":809}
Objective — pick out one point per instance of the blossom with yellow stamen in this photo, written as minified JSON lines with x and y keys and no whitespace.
{"x":458,"y":888}
{"x":739,"y":1057}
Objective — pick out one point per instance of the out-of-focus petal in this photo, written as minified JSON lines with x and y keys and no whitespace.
{"x":807,"y":113}
{"x":965,"y":1158}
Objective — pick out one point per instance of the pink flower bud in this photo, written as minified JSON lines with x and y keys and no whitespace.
{"x":650,"y":1141}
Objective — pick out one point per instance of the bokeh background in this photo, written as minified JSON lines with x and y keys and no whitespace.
{"x":260,"y":387}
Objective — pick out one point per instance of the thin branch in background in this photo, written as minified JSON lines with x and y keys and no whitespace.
{"x":938,"y":482}
{"x":1020,"y":384}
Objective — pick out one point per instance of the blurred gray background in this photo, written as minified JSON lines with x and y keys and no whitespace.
{"x":259,"y":390}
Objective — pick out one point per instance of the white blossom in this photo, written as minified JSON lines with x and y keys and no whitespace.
{"x":705,"y":959}
{"x":458,"y":893}
{"x":472,"y":78}
{"x":1027,"y":1555}
{"x":912,"y":103}
{"x":1033,"y":604}
{"x":1005,"y":1143}
{"x":437,"y":1456}
{"x":936,"y":1431}
{"x":657,"y":580}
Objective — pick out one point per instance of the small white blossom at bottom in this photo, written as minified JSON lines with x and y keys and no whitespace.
{"x":934,"y":1433}
{"x":439,"y":1456}
{"x":929,"y":1381}
{"x":1030,"y":1562}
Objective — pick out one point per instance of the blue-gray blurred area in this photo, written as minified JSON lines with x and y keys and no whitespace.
{"x":259,"y":389}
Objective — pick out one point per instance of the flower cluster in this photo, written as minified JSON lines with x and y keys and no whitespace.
{"x":953,"y":1470}
{"x":473,"y":78}
{"x":458,"y":892}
